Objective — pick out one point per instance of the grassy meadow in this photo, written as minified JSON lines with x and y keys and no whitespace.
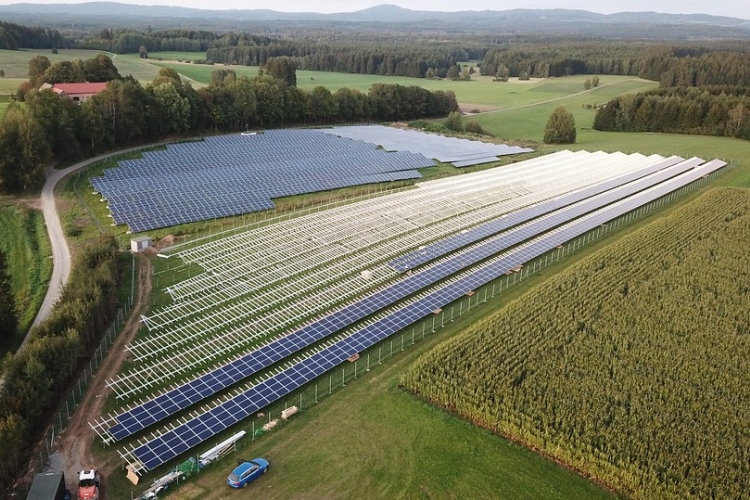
{"x":23,"y":237}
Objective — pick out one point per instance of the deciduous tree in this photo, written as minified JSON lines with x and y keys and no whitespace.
{"x":37,"y":66}
{"x":24,"y":151}
{"x":454,"y":122}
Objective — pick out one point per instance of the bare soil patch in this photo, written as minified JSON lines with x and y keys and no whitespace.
{"x":75,"y":446}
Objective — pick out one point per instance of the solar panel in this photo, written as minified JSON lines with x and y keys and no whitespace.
{"x":423,"y":255}
{"x":132,"y":421}
{"x":460,"y":152}
{"x":173,"y":442}
{"x":236,"y":174}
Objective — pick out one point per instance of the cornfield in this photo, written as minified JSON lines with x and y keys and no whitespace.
{"x":632,"y":366}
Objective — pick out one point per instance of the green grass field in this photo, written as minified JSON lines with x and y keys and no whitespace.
{"x":175,"y":56}
{"x":23,"y":237}
{"x":15,"y":63}
{"x":9,"y":86}
{"x":482,"y":91}
{"x":526,"y":120}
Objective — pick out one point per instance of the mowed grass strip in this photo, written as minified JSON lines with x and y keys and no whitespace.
{"x":23,"y":238}
{"x":173,"y":56}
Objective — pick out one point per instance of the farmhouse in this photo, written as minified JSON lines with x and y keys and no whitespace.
{"x":79,"y":92}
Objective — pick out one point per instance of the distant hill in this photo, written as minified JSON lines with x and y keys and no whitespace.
{"x":377,"y":14}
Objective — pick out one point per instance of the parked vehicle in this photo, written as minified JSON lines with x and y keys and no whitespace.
{"x":247,"y":471}
{"x":88,"y":485}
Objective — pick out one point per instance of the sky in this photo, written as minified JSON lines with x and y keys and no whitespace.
{"x":731,"y":8}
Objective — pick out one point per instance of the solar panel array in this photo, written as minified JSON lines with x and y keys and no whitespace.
{"x":456,"y":216}
{"x":339,"y":244}
{"x":183,"y":396}
{"x":447,"y":245}
{"x":459,"y":152}
{"x":540,"y":236}
{"x":460,"y":202}
{"x":235,"y":174}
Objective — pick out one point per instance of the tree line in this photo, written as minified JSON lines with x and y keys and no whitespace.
{"x":713,"y":110}
{"x":15,"y":36}
{"x":128,"y":113}
{"x":37,"y":377}
{"x":130,"y":41}
{"x":722,"y":62}
{"x":717,"y":63}
{"x":370,"y":59}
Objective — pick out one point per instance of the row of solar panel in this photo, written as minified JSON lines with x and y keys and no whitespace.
{"x":450,"y":244}
{"x":578,"y":203}
{"x":445,"y":149}
{"x":232,"y":175}
{"x":140,"y":209}
{"x":202,"y":427}
{"x":218,"y":169}
{"x":375,"y":160}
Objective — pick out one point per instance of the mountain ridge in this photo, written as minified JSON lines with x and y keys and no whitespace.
{"x":384,"y":13}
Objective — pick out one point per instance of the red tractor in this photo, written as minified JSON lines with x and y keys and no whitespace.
{"x":88,"y":485}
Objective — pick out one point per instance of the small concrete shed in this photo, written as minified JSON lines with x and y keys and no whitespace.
{"x":140,"y":243}
{"x":48,"y":486}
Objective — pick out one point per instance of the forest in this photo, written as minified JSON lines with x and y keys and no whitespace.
{"x":712,"y":110}
{"x":683,"y":63}
{"x":15,"y":36}
{"x":630,"y":366}
{"x":59,"y":346}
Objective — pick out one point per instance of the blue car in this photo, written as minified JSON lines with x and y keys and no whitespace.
{"x":247,"y":472}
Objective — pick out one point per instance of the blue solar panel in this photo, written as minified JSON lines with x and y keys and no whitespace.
{"x":172,"y":443}
{"x":132,"y":421}
{"x":231,"y":175}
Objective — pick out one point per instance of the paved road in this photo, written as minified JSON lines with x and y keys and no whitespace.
{"x":60,"y":252}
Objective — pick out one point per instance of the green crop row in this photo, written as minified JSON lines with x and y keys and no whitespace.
{"x":631,"y":366}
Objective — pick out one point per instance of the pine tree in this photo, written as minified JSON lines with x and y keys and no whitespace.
{"x":561,"y":127}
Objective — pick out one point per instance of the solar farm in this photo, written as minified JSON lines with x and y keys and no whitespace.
{"x":237,"y":174}
{"x":278,"y":306}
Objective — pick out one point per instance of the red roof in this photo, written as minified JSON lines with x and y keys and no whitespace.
{"x":80,"y":88}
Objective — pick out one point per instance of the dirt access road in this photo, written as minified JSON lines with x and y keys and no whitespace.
{"x":74,"y":452}
{"x":74,"y":447}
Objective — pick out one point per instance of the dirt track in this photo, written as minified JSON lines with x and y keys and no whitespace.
{"x":75,"y":446}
